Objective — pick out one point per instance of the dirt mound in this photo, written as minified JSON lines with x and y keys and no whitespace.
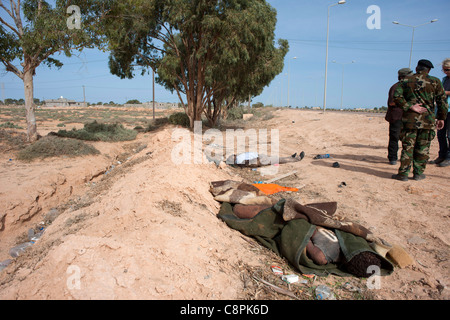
{"x":146,"y":231}
{"x":132,"y":224}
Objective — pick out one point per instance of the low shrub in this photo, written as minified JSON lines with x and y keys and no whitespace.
{"x":52,"y":146}
{"x":10,"y":125}
{"x":95,"y":131}
{"x":179,"y":118}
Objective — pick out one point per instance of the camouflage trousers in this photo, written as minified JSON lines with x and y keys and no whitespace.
{"x":416,"y":149}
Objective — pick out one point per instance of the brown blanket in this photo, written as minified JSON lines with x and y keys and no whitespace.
{"x":239,"y":192}
{"x":252,"y":200}
{"x":322,"y":214}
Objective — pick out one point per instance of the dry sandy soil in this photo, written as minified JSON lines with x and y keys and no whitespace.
{"x":132,"y":224}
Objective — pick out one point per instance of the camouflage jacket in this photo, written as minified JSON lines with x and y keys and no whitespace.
{"x":426,"y":90}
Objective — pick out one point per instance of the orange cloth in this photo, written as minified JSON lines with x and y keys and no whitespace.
{"x":271,"y":188}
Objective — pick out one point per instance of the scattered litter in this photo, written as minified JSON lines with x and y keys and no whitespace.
{"x":108,"y":171}
{"x":343,"y":184}
{"x":322,"y":156}
{"x":324,"y":293}
{"x":276,"y":288}
{"x":277,"y":270}
{"x":18,"y":250}
{"x":290,"y":278}
{"x":336,"y":165}
{"x":33,"y":236}
{"x":349,"y":287}
{"x":421,"y":264}
{"x":4,"y":264}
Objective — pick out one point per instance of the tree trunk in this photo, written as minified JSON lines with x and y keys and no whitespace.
{"x":29,"y":106}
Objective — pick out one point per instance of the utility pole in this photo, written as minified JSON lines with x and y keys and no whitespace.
{"x":153,"y":71}
{"x":84,"y":97}
{"x":326,"y":55}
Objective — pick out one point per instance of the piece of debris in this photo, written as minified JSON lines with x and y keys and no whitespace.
{"x":324,"y":293}
{"x":4,"y":264}
{"x":322,"y":156}
{"x":18,"y":250}
{"x":276,"y":288}
{"x":277,"y":270}
{"x":290,"y":278}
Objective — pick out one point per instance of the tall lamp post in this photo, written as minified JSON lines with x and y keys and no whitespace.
{"x":342,"y":89}
{"x":326,"y":57}
{"x":412,"y":40}
{"x":289,"y":78}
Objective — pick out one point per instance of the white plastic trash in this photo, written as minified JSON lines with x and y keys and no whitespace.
{"x":18,"y":250}
{"x":290,"y":278}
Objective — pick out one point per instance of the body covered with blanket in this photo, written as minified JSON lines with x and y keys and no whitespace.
{"x":309,"y":236}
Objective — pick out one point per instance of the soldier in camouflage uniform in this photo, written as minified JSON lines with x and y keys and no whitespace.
{"x":419,"y":96}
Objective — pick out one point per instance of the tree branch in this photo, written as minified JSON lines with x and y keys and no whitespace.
{"x":12,"y":68}
{"x":16,"y":16}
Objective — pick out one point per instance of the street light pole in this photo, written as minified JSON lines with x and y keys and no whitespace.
{"x":153,"y":91}
{"x":342,"y":88}
{"x":326,"y":56}
{"x":412,"y":40}
{"x":289,"y":78}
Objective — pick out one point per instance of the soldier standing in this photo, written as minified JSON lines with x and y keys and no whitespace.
{"x":419,"y":96}
{"x":394,"y":117}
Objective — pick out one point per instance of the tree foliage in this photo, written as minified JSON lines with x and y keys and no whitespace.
{"x":203,"y":50}
{"x":33,"y":31}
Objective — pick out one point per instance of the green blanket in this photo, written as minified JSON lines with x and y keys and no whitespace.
{"x":289,"y":239}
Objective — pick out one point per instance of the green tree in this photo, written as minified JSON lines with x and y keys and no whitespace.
{"x":133,"y":101}
{"x":33,"y":31}
{"x":204,"y":50}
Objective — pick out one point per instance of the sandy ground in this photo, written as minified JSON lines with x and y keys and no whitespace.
{"x":132,"y":224}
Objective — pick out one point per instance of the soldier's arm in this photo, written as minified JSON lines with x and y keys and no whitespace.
{"x":399,"y":98}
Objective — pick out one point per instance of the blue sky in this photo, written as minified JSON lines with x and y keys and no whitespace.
{"x":377,"y":55}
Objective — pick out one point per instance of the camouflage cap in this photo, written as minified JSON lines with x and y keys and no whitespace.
{"x":425,"y":63}
{"x":404,"y":72}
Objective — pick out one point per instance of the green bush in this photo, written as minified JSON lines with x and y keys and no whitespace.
{"x":52,"y":146}
{"x":236,"y":113}
{"x":10,"y":125}
{"x":179,"y":118}
{"x":95,"y":131}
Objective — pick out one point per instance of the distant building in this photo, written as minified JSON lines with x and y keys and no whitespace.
{"x":63,"y":102}
{"x":158,"y":105}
